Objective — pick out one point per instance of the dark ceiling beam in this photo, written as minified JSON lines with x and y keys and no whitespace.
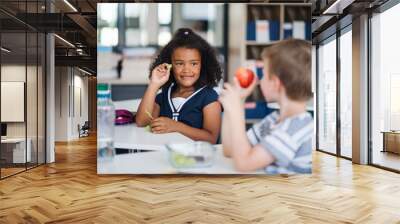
{"x":68,"y":23}
{"x":86,"y":51}
{"x":91,"y":6}
{"x":86,"y":26}
{"x":62,"y":6}
{"x":20,"y":58}
{"x":11,"y":25}
{"x":49,"y":22}
{"x":78,"y":61}
{"x":16,"y":18}
{"x":61,"y":22}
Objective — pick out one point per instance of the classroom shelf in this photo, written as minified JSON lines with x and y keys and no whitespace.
{"x":278,"y":20}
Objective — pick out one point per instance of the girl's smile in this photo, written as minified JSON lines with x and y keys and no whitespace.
{"x":186,"y":66}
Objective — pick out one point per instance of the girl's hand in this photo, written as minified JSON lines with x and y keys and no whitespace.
{"x":162,"y":125}
{"x":160,"y":75}
{"x":245,"y":92}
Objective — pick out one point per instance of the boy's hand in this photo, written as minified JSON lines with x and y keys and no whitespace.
{"x":245,"y":92}
{"x":160,"y":74}
{"x":230,"y":98}
{"x":162,"y":125}
{"x":233,"y":96}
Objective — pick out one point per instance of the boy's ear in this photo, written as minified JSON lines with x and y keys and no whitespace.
{"x":274,"y":78}
{"x":277,"y":81}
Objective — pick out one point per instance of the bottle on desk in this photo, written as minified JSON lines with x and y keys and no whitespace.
{"x":105,"y":124}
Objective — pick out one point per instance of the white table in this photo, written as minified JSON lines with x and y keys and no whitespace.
{"x":19,"y":155}
{"x":156,"y":162}
{"x":132,"y":137}
{"x":131,"y":105}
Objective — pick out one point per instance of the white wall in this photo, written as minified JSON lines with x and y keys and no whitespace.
{"x":61,"y":103}
{"x":85,"y":98}
{"x":14,"y":73}
{"x":80,"y":98}
{"x":69,"y":85}
{"x":33,"y":126}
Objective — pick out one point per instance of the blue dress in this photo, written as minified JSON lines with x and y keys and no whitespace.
{"x":191,"y":111}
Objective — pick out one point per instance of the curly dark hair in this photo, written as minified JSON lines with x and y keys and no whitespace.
{"x":210,"y":73}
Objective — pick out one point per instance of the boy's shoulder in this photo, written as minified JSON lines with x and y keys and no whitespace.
{"x":301,"y":119}
{"x":289,"y":125}
{"x":304,"y":116}
{"x":290,"y":143}
{"x":271,"y":117}
{"x":299,"y":128}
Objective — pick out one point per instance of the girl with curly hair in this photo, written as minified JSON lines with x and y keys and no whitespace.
{"x":186,"y":70}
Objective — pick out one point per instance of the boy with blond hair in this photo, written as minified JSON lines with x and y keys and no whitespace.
{"x":282,"y":141}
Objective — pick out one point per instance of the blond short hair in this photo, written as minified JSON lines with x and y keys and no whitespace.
{"x":290,"y":61}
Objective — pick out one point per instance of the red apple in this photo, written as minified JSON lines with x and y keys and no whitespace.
{"x":245,"y":76}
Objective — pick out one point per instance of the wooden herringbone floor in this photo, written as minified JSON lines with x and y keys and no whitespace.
{"x":70,"y":191}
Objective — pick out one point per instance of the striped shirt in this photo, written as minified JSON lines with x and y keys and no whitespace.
{"x":290,"y":142}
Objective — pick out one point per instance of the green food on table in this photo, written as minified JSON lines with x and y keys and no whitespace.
{"x":149,"y":114}
{"x":169,"y":66}
{"x":147,"y":128}
{"x":182,"y":161}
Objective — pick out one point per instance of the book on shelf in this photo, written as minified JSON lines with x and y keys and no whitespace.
{"x":299,"y":29}
{"x":274,"y":30}
{"x":251,"y":30}
{"x":263,"y":31}
{"x":287,"y":30}
{"x":257,"y":109}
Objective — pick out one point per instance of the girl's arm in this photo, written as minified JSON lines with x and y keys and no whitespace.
{"x":159,"y":76}
{"x":148,"y":105}
{"x":211,"y":125}
{"x":209,"y":133}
